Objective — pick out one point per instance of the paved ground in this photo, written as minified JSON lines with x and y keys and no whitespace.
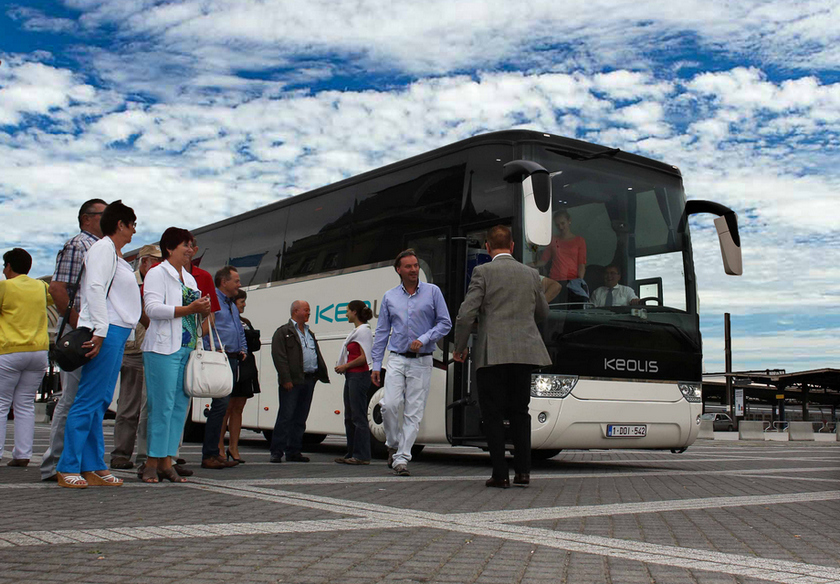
{"x":721,"y":512}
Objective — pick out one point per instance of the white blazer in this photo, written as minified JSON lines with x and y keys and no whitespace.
{"x":161,"y":294}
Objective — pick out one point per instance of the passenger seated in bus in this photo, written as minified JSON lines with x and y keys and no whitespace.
{"x":567,"y":255}
{"x":612,"y":293}
{"x":550,"y":288}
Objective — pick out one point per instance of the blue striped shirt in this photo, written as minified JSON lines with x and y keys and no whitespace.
{"x":405,"y":317}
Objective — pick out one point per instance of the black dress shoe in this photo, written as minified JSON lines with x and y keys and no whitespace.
{"x":297,"y":458}
{"x":522,"y":480}
{"x":498,"y":483}
{"x":182,"y":470}
{"x":276,"y":459}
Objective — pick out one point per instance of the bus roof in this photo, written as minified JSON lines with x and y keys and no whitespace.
{"x":503,"y":137}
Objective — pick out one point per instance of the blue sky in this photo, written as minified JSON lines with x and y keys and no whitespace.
{"x":202,"y":109}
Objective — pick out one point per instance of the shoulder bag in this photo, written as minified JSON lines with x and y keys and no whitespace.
{"x":69,"y":351}
{"x":208,"y":373}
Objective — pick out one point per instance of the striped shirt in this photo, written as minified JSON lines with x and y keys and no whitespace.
{"x":69,"y":262}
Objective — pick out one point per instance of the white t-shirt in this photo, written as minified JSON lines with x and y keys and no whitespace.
{"x":121,"y":306}
{"x":622,"y":295}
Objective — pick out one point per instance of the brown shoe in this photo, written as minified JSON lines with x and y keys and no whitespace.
{"x":523,"y":480}
{"x":18,"y":462}
{"x":391,"y":453}
{"x":182,"y":470}
{"x":227,"y":463}
{"x":356,"y":461}
{"x":213,"y":463}
{"x":498,"y":483}
{"x":121,"y":463}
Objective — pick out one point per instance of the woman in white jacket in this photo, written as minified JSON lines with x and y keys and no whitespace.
{"x":170,"y":294}
{"x":110,"y":308}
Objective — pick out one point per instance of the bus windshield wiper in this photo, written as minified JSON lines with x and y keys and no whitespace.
{"x":574,"y":155}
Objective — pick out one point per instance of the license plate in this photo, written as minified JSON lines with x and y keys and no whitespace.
{"x":616,"y":431}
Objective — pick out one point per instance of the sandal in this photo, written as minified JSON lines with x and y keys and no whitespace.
{"x":149,"y":475}
{"x":97,"y":480}
{"x":71,"y":481}
{"x":170,"y":475}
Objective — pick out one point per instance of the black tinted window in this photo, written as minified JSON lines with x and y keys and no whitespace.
{"x":421,"y":202}
{"x":214,"y":248}
{"x":318,"y":235}
{"x":257,"y":247}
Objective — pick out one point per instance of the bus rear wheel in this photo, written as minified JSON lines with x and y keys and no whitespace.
{"x":377,"y":428}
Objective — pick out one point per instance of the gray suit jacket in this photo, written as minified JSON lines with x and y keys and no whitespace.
{"x":507,"y":299}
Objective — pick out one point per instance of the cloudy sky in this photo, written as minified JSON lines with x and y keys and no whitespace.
{"x":204,"y":109}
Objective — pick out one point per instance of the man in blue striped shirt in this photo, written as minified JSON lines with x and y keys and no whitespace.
{"x":412,"y":319}
{"x":232,"y":335}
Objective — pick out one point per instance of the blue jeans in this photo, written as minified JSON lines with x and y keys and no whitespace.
{"x":291,"y":419}
{"x":166,"y":401}
{"x":84,"y":443}
{"x":213,"y":428}
{"x":356,"y":386}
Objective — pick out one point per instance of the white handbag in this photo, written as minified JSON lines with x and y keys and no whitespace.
{"x":208,"y":373}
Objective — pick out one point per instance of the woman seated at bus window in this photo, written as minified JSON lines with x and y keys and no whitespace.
{"x":551,"y":288}
{"x":567,"y":255}
{"x":171,"y":298}
{"x":111,"y":308}
{"x":354,"y":363}
{"x":247,"y":384}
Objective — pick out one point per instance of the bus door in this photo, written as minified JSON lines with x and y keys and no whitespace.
{"x":434,"y":253}
{"x":463,"y":419}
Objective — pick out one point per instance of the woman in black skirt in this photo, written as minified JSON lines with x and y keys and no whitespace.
{"x":245,"y":387}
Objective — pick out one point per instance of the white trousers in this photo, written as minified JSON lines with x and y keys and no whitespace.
{"x":406,"y":386}
{"x":20,"y":378}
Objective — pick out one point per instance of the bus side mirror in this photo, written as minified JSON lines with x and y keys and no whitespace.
{"x":727,"y":227}
{"x":536,"y":198}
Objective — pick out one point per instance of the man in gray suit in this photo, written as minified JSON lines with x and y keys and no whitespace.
{"x":507,"y":299}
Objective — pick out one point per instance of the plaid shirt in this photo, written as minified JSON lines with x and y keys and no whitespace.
{"x":68,"y":262}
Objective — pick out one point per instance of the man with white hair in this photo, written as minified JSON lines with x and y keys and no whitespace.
{"x":297,"y":358}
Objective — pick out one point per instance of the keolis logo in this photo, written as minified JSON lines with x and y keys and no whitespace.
{"x":631,"y":365}
{"x":337,"y":312}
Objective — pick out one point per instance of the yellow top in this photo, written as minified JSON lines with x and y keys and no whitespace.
{"x":23,"y":315}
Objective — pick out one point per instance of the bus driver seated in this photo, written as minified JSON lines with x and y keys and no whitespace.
{"x":612,"y":293}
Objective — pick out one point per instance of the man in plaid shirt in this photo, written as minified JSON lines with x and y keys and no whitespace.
{"x":67,"y":268}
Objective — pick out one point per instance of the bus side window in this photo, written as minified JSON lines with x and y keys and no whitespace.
{"x":317,"y":234}
{"x":257,"y":247}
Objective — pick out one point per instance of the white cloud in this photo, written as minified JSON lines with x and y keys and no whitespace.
{"x":31,"y":88}
{"x":36,"y":21}
{"x":438,"y":37}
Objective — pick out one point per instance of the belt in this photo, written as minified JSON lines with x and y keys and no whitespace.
{"x":410,"y":355}
{"x":312,"y":374}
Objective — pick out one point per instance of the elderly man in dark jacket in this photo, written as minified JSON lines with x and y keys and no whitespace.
{"x":297,"y":358}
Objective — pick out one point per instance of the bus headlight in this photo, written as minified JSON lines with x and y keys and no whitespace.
{"x":691,"y":392}
{"x":550,"y":385}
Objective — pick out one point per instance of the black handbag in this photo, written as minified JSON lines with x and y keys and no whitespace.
{"x":69,"y":350}
{"x":252,"y":339}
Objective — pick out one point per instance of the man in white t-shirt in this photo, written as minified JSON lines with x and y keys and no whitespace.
{"x":612,"y":293}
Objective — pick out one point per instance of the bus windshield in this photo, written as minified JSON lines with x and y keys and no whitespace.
{"x":617,"y":266}
{"x":616,"y":228}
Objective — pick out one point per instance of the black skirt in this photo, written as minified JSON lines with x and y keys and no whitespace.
{"x":248,"y":382}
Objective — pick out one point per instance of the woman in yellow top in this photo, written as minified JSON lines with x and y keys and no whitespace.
{"x":23,"y":349}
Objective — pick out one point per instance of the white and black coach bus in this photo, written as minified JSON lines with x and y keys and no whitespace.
{"x":622,"y":376}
